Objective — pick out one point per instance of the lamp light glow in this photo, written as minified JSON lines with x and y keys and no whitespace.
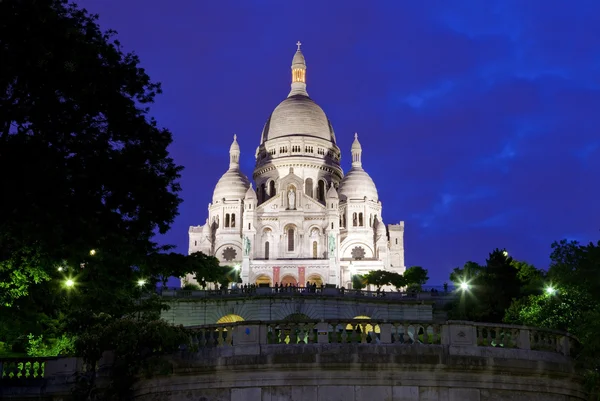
{"x":69,"y":283}
{"x":464,"y":286}
{"x":141,"y":282}
{"x":550,"y":290}
{"x":92,"y":252}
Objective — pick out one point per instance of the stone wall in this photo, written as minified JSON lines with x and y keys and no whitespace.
{"x":332,"y":372}
{"x":349,"y":360}
{"x":191,"y":311}
{"x":400,"y":361}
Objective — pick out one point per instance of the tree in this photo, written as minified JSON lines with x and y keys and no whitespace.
{"x":89,"y":176}
{"x":85,"y":165}
{"x":379,"y":278}
{"x":416,"y":277}
{"x":358,"y":281}
{"x":571,"y":303}
{"x":491,"y":287}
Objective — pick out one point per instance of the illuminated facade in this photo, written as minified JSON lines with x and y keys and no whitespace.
{"x":306,"y":220}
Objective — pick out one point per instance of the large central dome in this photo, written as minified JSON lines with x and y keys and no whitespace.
{"x":298,"y":115}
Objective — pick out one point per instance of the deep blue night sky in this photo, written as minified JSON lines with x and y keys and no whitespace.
{"x":478,"y":119}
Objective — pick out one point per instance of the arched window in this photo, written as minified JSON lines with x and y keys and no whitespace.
{"x":315,"y":249}
{"x":308,"y":187}
{"x":321,"y":191}
{"x":332,"y":225}
{"x":196,"y":243}
{"x":371,"y":220}
{"x":227,"y":220}
{"x":262,"y":194}
{"x":344,"y":219}
{"x":233,"y":220}
{"x":267,"y":250}
{"x":396,"y":241}
{"x":360,"y":219}
{"x":354,"y":220}
{"x":272,"y":189}
{"x":290,"y":234}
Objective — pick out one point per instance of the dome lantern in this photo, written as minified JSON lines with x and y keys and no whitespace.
{"x":356,"y":152}
{"x":298,"y":73}
{"x":234,"y":154}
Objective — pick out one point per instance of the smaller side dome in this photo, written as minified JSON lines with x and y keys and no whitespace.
{"x":332,"y":193}
{"x":357,"y":184}
{"x":233,"y":184}
{"x":251,"y":194}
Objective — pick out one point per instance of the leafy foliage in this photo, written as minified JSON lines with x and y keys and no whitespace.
{"x":574,"y":306}
{"x":137,"y":346}
{"x":415,"y":277}
{"x":89,"y":169}
{"x":358,"y":281}
{"x":63,"y":345}
{"x":492,"y":287}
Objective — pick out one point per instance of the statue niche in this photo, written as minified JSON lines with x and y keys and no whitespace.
{"x":291,"y":195}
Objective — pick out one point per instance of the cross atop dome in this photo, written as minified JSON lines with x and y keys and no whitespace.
{"x":298,"y":44}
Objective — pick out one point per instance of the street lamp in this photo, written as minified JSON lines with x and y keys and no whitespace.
{"x":464,"y":286}
{"x":141,"y":282}
{"x":69,"y":283}
{"x":505,"y":253}
{"x":550,"y":290}
{"x":92,"y":252}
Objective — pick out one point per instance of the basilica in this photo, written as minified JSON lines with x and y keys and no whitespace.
{"x":304,"y":220}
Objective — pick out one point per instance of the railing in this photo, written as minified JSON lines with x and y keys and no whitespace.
{"x":22,"y":368}
{"x":365,"y":331}
{"x":360,"y":331}
{"x":302,"y":291}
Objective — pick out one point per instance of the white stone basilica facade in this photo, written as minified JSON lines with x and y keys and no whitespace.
{"x":306,"y":220}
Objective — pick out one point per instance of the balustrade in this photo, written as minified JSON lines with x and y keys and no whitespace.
{"x":22,"y":368}
{"x":340,"y":331}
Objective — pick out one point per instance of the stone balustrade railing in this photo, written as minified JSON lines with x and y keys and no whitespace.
{"x":302,"y":291}
{"x":357,"y":331}
{"x":364,"y":331}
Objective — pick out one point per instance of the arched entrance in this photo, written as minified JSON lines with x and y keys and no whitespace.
{"x":369,"y":328}
{"x":263,"y":279}
{"x":231,"y":318}
{"x":315,"y":279}
{"x":289,"y":279}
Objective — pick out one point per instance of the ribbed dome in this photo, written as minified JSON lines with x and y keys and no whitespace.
{"x":232,"y":186}
{"x":298,"y":115}
{"x":356,"y":185}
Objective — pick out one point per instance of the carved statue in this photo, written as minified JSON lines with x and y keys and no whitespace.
{"x":292,"y":199}
{"x":246,"y":246}
{"x":331,"y":245}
